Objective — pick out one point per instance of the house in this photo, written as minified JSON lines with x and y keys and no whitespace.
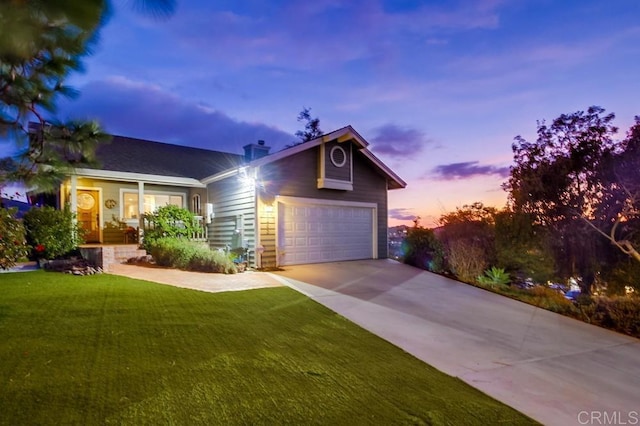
{"x":320,"y":201}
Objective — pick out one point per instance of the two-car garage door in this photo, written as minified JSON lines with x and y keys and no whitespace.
{"x":325,"y":232}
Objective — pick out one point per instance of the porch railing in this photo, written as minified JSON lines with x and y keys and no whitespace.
{"x":201,"y":233}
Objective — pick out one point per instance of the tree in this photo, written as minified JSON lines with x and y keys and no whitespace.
{"x":41,"y":44}
{"x":618,"y":214}
{"x":311,"y":128}
{"x":522,"y":247}
{"x":468,"y":237}
{"x":577,"y":181}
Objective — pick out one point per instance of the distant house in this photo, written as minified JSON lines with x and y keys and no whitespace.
{"x":21,"y":206}
{"x":320,"y":201}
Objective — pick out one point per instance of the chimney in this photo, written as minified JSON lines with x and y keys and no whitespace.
{"x":254,"y":151}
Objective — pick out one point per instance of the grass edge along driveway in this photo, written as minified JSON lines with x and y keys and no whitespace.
{"x":112,"y":350}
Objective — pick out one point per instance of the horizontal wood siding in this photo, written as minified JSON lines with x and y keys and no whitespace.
{"x":233,"y":209}
{"x":268,"y":231}
{"x":296,"y":176}
{"x":338,"y":173}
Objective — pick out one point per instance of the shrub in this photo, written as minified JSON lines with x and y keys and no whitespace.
{"x":169,"y":222}
{"x":422,"y":249}
{"x":551,"y":300}
{"x":212,"y":261}
{"x":494,"y":277}
{"x":466,"y":259}
{"x":13,"y":245}
{"x":52,"y":233}
{"x":621,"y":314}
{"x":183,"y":254}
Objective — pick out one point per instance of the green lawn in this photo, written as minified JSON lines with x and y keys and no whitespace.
{"x":110,"y":350}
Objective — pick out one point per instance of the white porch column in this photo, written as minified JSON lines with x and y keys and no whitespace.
{"x":140,"y":210}
{"x":74,"y":203}
{"x":74,"y":194}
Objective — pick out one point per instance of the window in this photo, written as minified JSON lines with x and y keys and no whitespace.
{"x":151,"y":203}
{"x":195,"y":208}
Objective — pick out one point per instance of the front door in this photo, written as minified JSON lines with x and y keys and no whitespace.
{"x":89,"y":214}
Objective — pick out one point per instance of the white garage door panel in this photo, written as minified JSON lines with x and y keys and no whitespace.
{"x":319,"y":233}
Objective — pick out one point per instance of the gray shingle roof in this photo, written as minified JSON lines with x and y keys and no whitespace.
{"x":125,"y":154}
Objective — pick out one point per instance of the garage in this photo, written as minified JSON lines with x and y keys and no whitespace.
{"x":325,"y":231}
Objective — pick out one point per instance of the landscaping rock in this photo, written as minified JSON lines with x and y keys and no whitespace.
{"x":72,"y":266}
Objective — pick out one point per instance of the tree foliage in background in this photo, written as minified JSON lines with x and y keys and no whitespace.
{"x":41,"y":44}
{"x":577,"y":181}
{"x":311,"y":128}
{"x":522,"y":247}
{"x":617,"y":216}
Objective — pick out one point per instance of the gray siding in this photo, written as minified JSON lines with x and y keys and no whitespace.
{"x":234,"y":209}
{"x":339,"y":173}
{"x":296,"y":176}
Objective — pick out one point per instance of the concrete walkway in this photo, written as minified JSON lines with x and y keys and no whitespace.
{"x":202,"y":281}
{"x":555,"y":369}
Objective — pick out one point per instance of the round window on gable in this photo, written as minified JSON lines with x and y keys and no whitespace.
{"x":338,"y":156}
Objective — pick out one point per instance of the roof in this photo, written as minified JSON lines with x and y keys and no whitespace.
{"x":344,"y":134}
{"x":132,"y":155}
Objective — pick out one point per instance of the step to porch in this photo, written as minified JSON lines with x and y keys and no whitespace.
{"x":106,"y":255}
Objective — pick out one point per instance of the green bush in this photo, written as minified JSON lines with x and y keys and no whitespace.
{"x":13,"y":245}
{"x":549,"y":299}
{"x":422,"y":249}
{"x":212,"y":261}
{"x":169,"y":222}
{"x":494,"y":277}
{"x":52,"y":233}
{"x":621,"y":314}
{"x":193,"y":256}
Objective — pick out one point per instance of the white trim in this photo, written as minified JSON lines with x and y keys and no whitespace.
{"x":139,"y":177}
{"x":325,"y":183}
{"x":222,"y":175}
{"x":333,"y":160}
{"x":321,"y":202}
{"x":397,"y":179}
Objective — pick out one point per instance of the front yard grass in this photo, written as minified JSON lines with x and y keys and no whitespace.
{"x":104,"y":349}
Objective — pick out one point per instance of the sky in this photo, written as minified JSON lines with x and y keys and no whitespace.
{"x":438,"y":88}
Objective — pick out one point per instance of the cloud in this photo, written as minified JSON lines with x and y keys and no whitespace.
{"x":402,"y":214}
{"x":320,"y":34}
{"x":131,"y":108}
{"x":396,"y":141}
{"x":455,"y":171}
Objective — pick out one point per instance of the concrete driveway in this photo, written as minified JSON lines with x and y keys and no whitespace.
{"x":555,"y":369}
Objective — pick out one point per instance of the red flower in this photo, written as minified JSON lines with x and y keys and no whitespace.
{"x":39,"y":248}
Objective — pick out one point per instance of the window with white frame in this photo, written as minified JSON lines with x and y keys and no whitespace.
{"x":151,"y":203}
{"x":195,"y":205}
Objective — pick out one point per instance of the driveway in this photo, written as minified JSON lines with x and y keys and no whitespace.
{"x":555,"y":369}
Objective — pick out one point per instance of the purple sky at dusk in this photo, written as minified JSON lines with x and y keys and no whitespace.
{"x":439,"y":88}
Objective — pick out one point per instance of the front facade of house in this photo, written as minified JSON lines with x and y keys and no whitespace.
{"x":320,"y":201}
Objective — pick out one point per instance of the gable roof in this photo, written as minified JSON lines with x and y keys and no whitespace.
{"x":344,"y":134}
{"x":141,"y":156}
